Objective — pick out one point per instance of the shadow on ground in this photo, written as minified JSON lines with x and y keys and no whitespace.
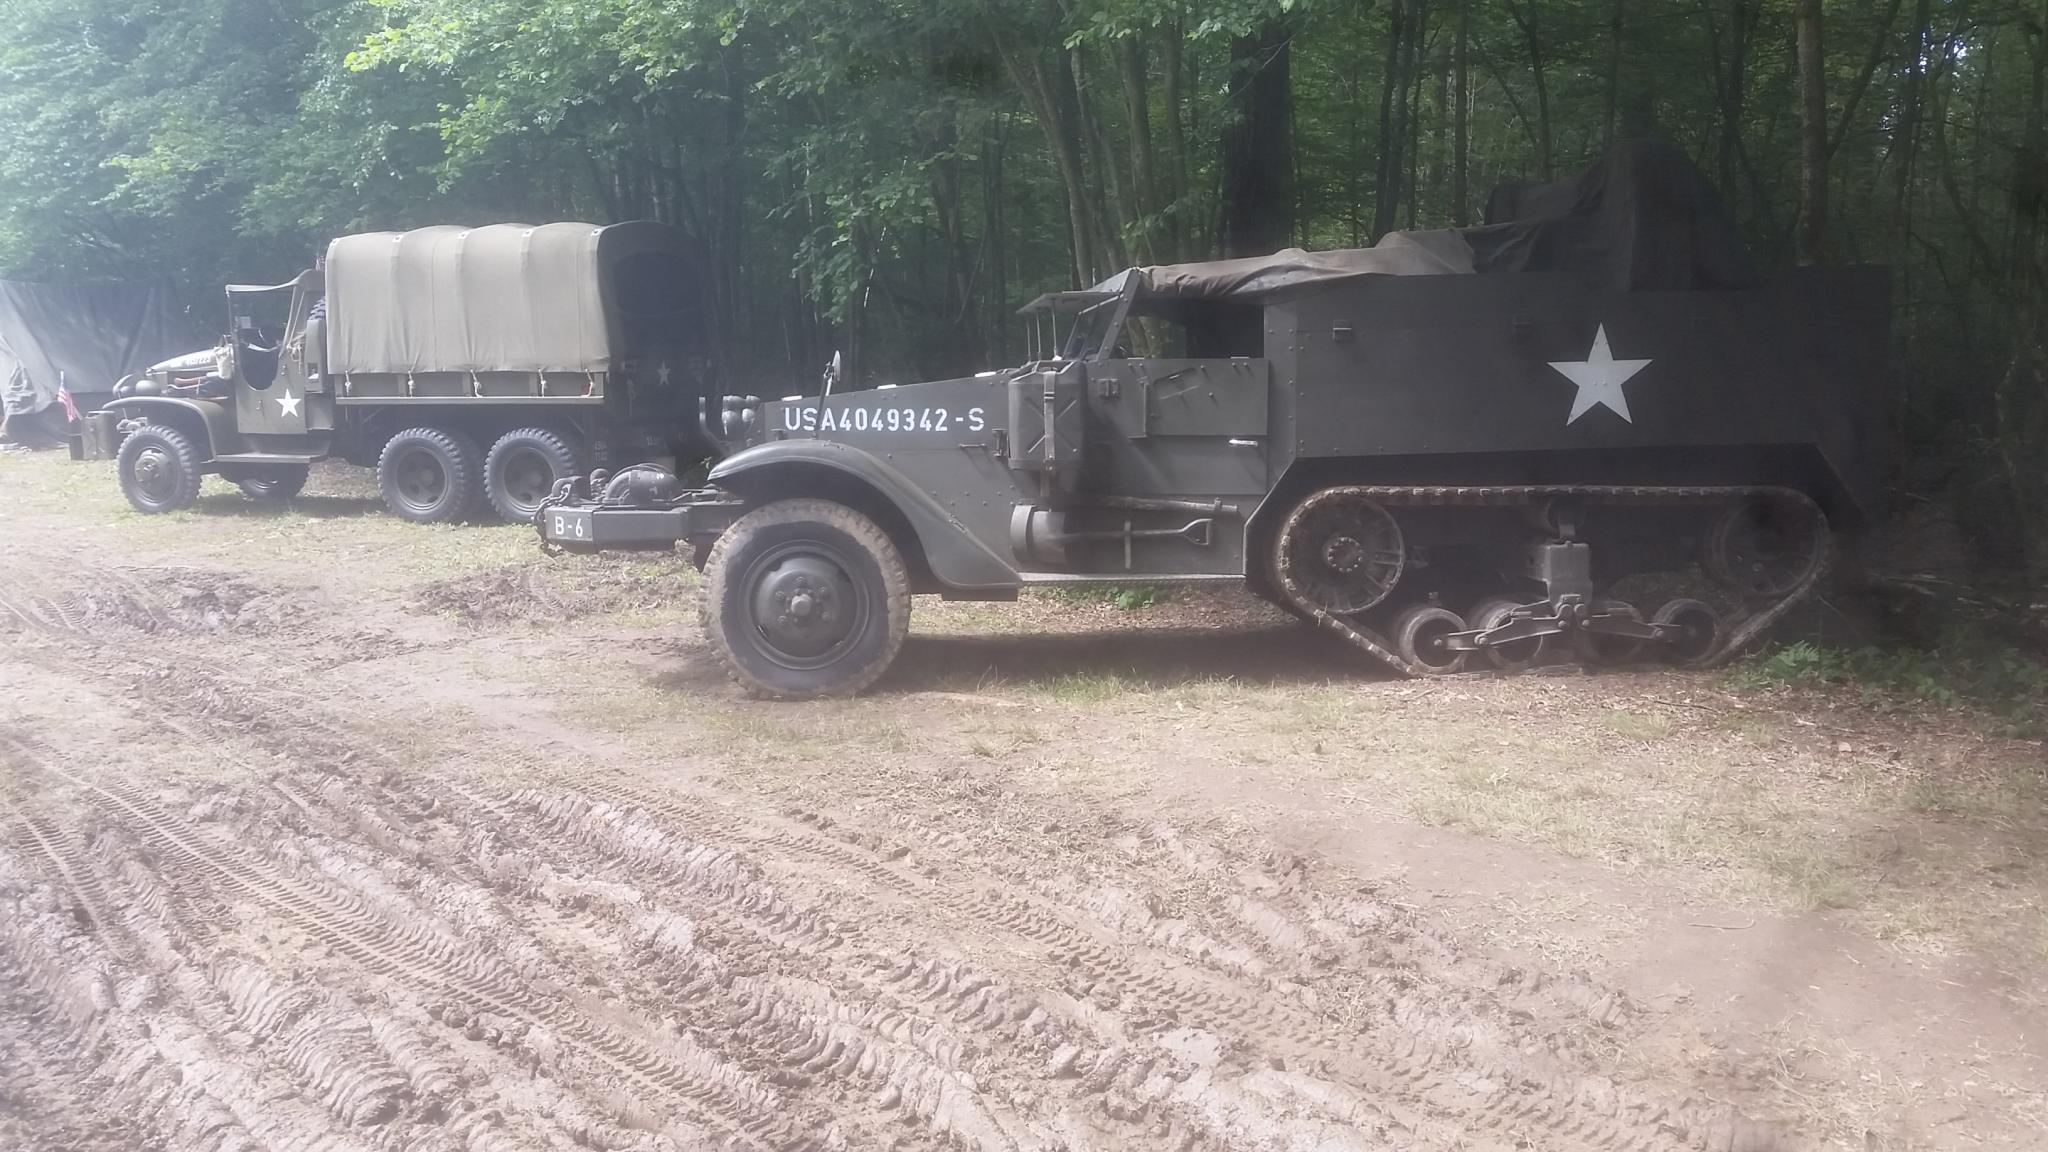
{"x":1284,"y":654}
{"x":316,"y":507}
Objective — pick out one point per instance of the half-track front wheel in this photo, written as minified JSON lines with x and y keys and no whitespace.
{"x":159,"y":469}
{"x":269,"y":482}
{"x":522,"y":468}
{"x":429,"y":475}
{"x":806,"y":598}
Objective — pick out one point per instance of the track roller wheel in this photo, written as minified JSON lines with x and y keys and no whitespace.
{"x":1702,"y":623}
{"x":1605,"y":648}
{"x":1516,"y":655}
{"x":1419,"y":637}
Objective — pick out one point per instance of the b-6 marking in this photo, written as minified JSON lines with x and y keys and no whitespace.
{"x":796,"y":418}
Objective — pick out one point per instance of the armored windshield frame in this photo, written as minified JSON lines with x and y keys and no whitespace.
{"x":1087,"y":306}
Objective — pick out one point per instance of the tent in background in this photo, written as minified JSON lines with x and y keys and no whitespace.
{"x":81,"y":339}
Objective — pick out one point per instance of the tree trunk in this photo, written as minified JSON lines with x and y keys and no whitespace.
{"x":997,"y":237}
{"x":1111,"y":215}
{"x":1258,"y":147}
{"x":1862,"y":85}
{"x":1386,"y":170}
{"x":1906,"y":138}
{"x":1524,"y":17}
{"x":1176,"y":138}
{"x":1051,"y":104}
{"x":1612,"y":97}
{"x":1813,"y":135}
{"x":1734,"y":76}
{"x":1411,"y":113}
{"x":729,"y":210}
{"x":1138,"y":115}
{"x":1461,"y":125}
{"x":1439,"y":154}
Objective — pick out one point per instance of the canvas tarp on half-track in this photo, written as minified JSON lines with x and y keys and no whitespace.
{"x":1641,"y":219}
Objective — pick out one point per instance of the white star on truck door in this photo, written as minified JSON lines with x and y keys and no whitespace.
{"x":1599,"y":377}
{"x":288,"y":404}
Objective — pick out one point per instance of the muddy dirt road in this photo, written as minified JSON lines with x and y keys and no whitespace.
{"x":325,"y":832}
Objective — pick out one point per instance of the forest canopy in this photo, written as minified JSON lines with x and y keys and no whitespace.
{"x":894,"y":177}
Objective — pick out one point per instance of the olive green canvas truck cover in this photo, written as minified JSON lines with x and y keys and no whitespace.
{"x":502,"y":298}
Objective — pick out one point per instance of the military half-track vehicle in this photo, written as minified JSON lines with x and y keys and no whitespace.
{"x":1447,"y":449}
{"x":468,"y":366}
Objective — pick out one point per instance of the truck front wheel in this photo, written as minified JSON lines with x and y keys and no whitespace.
{"x":159,"y":469}
{"x":522,"y":469}
{"x":430,"y":475}
{"x":806,"y":598}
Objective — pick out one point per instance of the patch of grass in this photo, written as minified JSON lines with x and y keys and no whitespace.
{"x":1968,"y":669}
{"x":1088,"y":687}
{"x":1812,"y":877}
{"x":1125,"y":596}
{"x":1749,"y":728}
{"x":1637,"y":725}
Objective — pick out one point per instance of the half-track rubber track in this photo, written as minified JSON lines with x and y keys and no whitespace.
{"x":1748,"y":622}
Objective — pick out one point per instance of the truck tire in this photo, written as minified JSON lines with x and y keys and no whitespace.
{"x":522,"y":468}
{"x":159,"y":469}
{"x":269,"y":482}
{"x":430,"y":475}
{"x":805,"y":598}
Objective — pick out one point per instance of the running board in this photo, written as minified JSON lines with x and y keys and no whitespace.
{"x":1029,"y":579}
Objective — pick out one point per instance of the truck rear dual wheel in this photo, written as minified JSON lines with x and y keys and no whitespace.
{"x":430,"y":475}
{"x":522,"y":469}
{"x":159,"y":469}
{"x":806,"y":598}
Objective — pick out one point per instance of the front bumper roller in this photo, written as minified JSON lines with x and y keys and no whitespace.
{"x":569,"y":524}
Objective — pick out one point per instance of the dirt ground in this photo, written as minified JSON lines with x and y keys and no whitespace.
{"x":326,"y":831}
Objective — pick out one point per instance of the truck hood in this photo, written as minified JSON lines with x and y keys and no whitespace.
{"x":186,"y":363}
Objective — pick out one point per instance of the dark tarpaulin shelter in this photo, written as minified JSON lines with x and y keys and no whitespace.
{"x":83,"y":338}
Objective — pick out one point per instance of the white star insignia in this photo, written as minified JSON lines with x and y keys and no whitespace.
{"x":1599,"y":377}
{"x":663,"y":374}
{"x":288,"y":404}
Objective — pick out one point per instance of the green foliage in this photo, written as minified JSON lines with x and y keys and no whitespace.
{"x":1972,"y":670}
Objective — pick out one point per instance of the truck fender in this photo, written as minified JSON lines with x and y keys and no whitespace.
{"x":208,"y":422}
{"x":956,"y":558}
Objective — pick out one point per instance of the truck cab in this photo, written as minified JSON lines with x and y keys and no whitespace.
{"x":253,"y":409}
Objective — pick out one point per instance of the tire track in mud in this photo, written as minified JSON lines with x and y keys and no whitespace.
{"x":858,"y":1016}
{"x":1419,"y":1083}
{"x":477,"y":982}
{"x":1435,"y":1093}
{"x":715,"y":1093}
{"x":320,"y":1041}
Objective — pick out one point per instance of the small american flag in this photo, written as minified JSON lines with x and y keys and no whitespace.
{"x":70,"y":406}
